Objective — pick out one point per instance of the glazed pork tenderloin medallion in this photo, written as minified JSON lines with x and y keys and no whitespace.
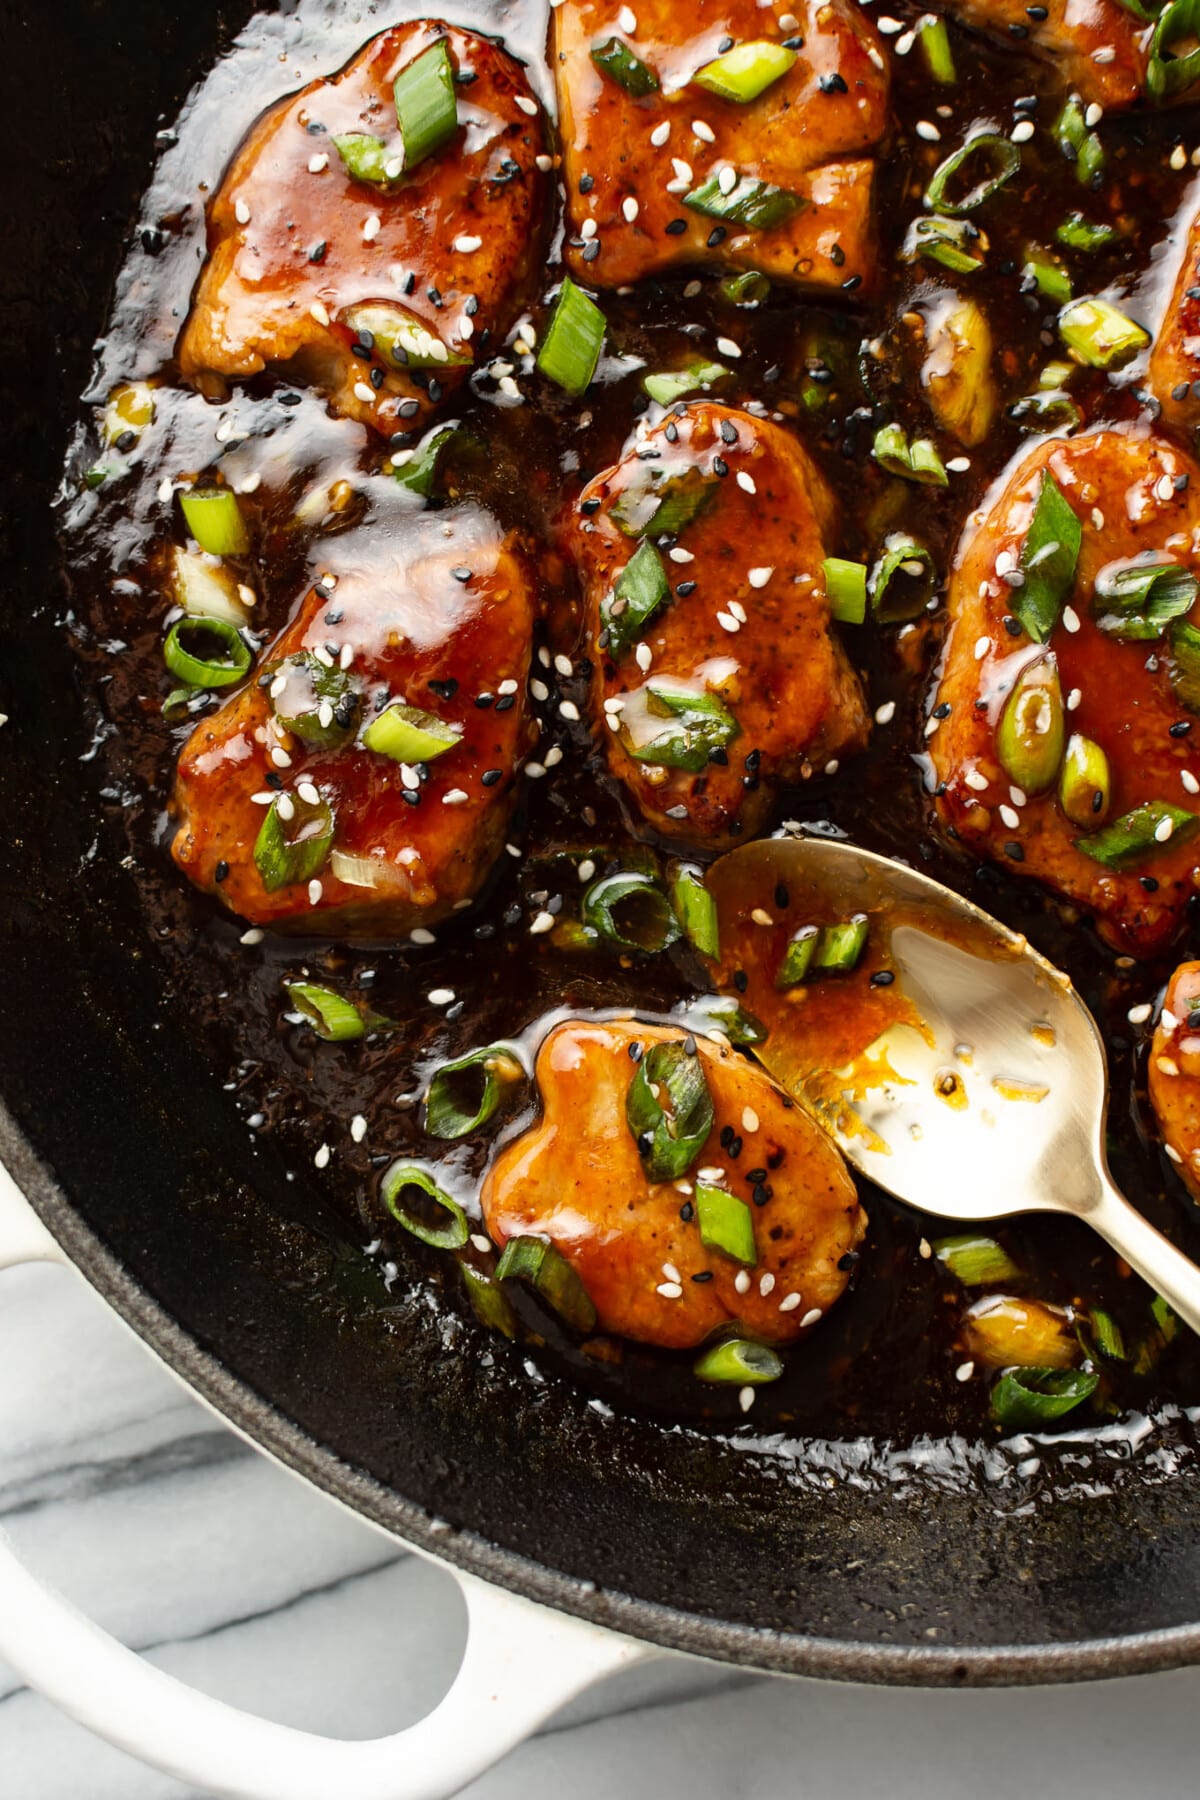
{"x":720,"y":133}
{"x":362,"y":780}
{"x":1066,"y":712}
{"x":1104,"y":52}
{"x":672,"y":1235}
{"x":378,"y":231}
{"x":1173,"y":1073}
{"x":1173,"y":376}
{"x":718,"y":672}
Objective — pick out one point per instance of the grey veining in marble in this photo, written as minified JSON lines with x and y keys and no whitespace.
{"x":168,"y":1530}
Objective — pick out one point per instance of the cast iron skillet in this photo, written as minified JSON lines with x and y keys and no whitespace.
{"x":134,"y":1158}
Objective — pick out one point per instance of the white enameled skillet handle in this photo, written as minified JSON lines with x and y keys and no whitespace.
{"x":522,"y":1662}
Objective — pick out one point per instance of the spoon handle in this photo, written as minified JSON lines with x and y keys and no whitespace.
{"x":1172,"y":1274}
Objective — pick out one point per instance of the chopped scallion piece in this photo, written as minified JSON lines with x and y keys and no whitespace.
{"x":918,"y":461}
{"x":455,"y":1106}
{"x":1079,"y":145}
{"x":699,"y":723}
{"x":1046,"y":411}
{"x":489,"y":1301}
{"x":903,"y":579}
{"x":1166,"y":1319}
{"x":750,"y":288}
{"x":976,"y":1261}
{"x":317,"y":704}
{"x":738,"y":1362}
{"x":1078,"y":233}
{"x":1138,"y":600}
{"x":616,"y":60}
{"x":669,"y":1110}
{"x":1185,"y":664}
{"x":543,"y":1267}
{"x":1048,"y":559}
{"x":746,"y":71}
{"x":426,"y":103}
{"x":1174,"y":50}
{"x":797,"y":958}
{"x":419,"y":473}
{"x":640,"y":590}
{"x":574,"y":337}
{"x":696,"y":911}
{"x":1084,"y":784}
{"x":951,"y":242}
{"x":408,"y":735}
{"x":1047,"y":274}
{"x":1031,"y":735}
{"x":726,"y":1223}
{"x":1137,"y":834}
{"x":214,"y":519}
{"x":331,"y":1016}
{"x":1023,"y":1399}
{"x":673,"y":385}
{"x":755,"y":204}
{"x":407,"y":1186}
{"x":662,"y":505}
{"x":294,"y":849}
{"x":398,"y":337}
{"x":846,"y":586}
{"x":368,"y":159}
{"x":986,"y":161}
{"x":934,"y":40}
{"x":1104,"y":1337}
{"x":630,"y":911}
{"x":726,"y":1014}
{"x":206,"y":653}
{"x":840,"y":946}
{"x":1100,"y":334}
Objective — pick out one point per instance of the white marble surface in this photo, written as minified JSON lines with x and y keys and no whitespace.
{"x":150,"y":1515}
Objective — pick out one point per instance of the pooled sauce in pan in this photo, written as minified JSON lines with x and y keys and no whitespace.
{"x":896,"y":1357}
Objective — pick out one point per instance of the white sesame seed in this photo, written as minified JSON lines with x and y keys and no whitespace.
{"x":704,"y":132}
{"x":539,"y":690}
{"x":727,"y":347}
{"x":615,"y":703}
{"x":1164,"y":488}
{"x":371,"y":226}
{"x":508,"y":686}
{"x":1070,"y":619}
{"x":788,"y":22}
{"x":455,"y":797}
{"x":527,"y":106}
{"x":1018,"y":796}
{"x":319,"y":312}
{"x":964,"y":1371}
{"x":1178,"y":157}
{"x":1093,"y":115}
{"x":671,"y":1273}
{"x":1173,"y":1153}
{"x":678,"y":554}
{"x":810,"y":1318}
{"x":1137,"y":1015}
{"x":241,"y":212}
{"x":318,"y":164}
{"x":888,"y":25}
{"x":886,"y":713}
{"x":789,"y":1303}
{"x":441,"y":996}
{"x":358,"y":1128}
{"x":266,"y":798}
{"x":322,"y":1157}
{"x":280,"y":758}
{"x":586,"y":869}
{"x":1009,"y":817}
{"x":746,"y":1398}
{"x":738,"y":611}
{"x":315,"y":890}
{"x":366,"y":394}
{"x":508,"y":386}
{"x":1166,"y":1066}
{"x":346,"y":657}
{"x":627,"y":19}
{"x":766,"y":1283}
{"x":1168,"y":1020}
{"x":683,"y":172}
{"x":958,"y":465}
{"x":1163,"y":830}
{"x":254,"y":936}
{"x":421,"y":935}
{"x":761,"y":916}
{"x":670,"y":1290}
{"x":727,"y":179}
{"x":977,"y":782}
{"x":1189,"y":781}
{"x":543,"y":922}
{"x":758,"y":578}
{"x":905,"y":43}
{"x":982,"y":646}
{"x":746,"y":482}
{"x":660,"y":134}
{"x":727,"y":622}
{"x":749,"y":1119}
{"x":925,"y":1249}
{"x":467,"y":245}
{"x":1022,"y":132}
{"x":535,"y":770}
{"x":629,"y":209}
{"x":741,"y":1281}
{"x":553,"y":757}
{"x":928,"y":130}
{"x":644,"y":656}
{"x":570,"y":711}
{"x":1074,"y":698}
{"x":1105,"y":54}
{"x":543,"y":164}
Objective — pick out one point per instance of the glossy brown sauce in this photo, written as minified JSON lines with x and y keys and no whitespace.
{"x":884,"y":1362}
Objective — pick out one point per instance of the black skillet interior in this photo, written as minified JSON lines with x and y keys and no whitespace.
{"x":903,"y":1566}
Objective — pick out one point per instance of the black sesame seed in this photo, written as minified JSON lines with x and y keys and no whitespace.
{"x":677,"y":812}
{"x":728,"y":432}
{"x":726,"y":1136}
{"x":716,"y":236}
{"x":483,"y":701}
{"x":490,"y":777}
{"x":512,"y":915}
{"x":837,"y":256}
{"x":687,"y":1212}
{"x":847,"y":1262}
{"x":851,"y":282}
{"x":591,"y":250}
{"x":445,"y":690}
{"x":676,"y":227}
{"x":289,"y":399}
{"x":586,"y":183}
{"x":221,"y":871}
{"x":719,"y":755}
{"x":636,"y":1051}
{"x":725,"y":45}
{"x":1014,"y":852}
{"x":702,"y":1275}
{"x":720,"y":466}
{"x":833,"y":83}
{"x":1012,"y":626}
{"x":942,"y":711}
{"x":484,"y":932}
{"x":741,"y":980}
{"x":1180,"y":728}
{"x":782,"y":896}
{"x":506,"y":702}
{"x":1150,"y":883}
{"x":672,"y":433}
{"x":685,"y":588}
{"x":317,"y":253}
{"x":461,"y":574}
{"x":689,"y":1045}
{"x":273,"y":780}
{"x":760,"y":1193}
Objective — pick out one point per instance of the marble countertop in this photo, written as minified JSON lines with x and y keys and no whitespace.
{"x":171,"y":1532}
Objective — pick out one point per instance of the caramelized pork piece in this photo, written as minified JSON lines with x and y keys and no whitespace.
{"x":1100,"y":48}
{"x":1174,"y":1072}
{"x":1075,"y":759}
{"x":1174,"y":372}
{"x":673,"y":173}
{"x":378,"y":287}
{"x":577,"y":1177}
{"x":717,"y":670}
{"x":376,"y":745}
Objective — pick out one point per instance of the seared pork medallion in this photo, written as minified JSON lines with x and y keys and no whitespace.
{"x":1173,"y":1072}
{"x":362,"y":779}
{"x":684,"y":1190}
{"x":1061,"y":733}
{"x":1174,"y":372}
{"x":722,"y":133}
{"x":718,"y":673}
{"x":1104,"y":50}
{"x":378,"y":231}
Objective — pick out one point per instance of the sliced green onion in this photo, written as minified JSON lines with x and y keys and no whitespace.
{"x":1165,"y":1318}
{"x":1056,"y":375}
{"x":669,"y":1137}
{"x":616,"y":60}
{"x":1138,"y":834}
{"x":846,"y":586}
{"x":1023,"y":1399}
{"x":408,"y":735}
{"x":1046,"y":411}
{"x":317,"y":704}
{"x":293,"y":849}
{"x":369,"y":159}
{"x":1185,"y":664}
{"x":797,"y":958}
{"x":206,"y":653}
{"x":976,"y":1261}
{"x":755,"y":204}
{"x":1100,"y":334}
{"x":447,"y":1231}
{"x":399,"y":338}
{"x":1104,"y":1336}
{"x":746,"y":71}
{"x":640,"y":590}
{"x":489,"y":1301}
{"x":724,"y":1013}
{"x":950,"y":242}
{"x":1163,"y":1331}
{"x":1047,"y":274}
{"x":696,"y":911}
{"x":726,"y":1223}
{"x":543,"y":1267}
{"x":176,"y":700}
{"x":1084,"y":785}
{"x":663,"y":505}
{"x":750,"y":288}
{"x":631,"y":911}
{"x":426,"y":103}
{"x":1140,"y":599}
{"x":206,"y":589}
{"x":1171,"y":70}
{"x":840,"y":946}
{"x":934,"y":40}
{"x":1078,"y":233}
{"x":1079,"y":145}
{"x":1031,"y":735}
{"x":670,"y":386}
{"x":986,"y":161}
{"x":699,"y":723}
{"x":331,"y":1016}
{"x":738,"y":1362}
{"x":419,"y":472}
{"x":1048,"y":559}
{"x":214,"y":519}
{"x":454,"y":1107}
{"x":918,"y":461}
{"x":903,"y":579}
{"x":574,"y":337}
